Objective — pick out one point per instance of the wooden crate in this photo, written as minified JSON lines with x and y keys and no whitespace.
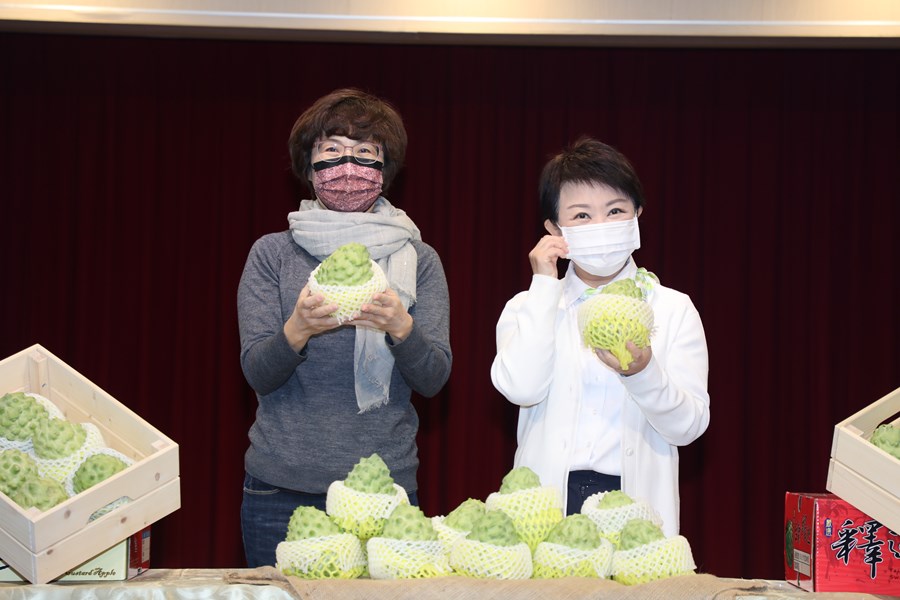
{"x":43,"y":545}
{"x":862,"y":474}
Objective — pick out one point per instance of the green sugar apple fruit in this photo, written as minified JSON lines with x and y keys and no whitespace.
{"x":41,"y":492}
{"x":624,"y":287}
{"x":614,"y":499}
{"x":370,"y":475}
{"x":576,"y":531}
{"x":349,"y":278}
{"x":638,"y":532}
{"x":310,"y":522}
{"x":614,"y":316}
{"x":19,"y":414}
{"x":57,"y":438}
{"x":408,"y":522}
{"x":348,"y":265}
{"x":16,"y":467}
{"x":520,"y":478}
{"x":495,"y":527}
{"x":887,"y":437}
{"x":95,"y":469}
{"x":464,"y":516}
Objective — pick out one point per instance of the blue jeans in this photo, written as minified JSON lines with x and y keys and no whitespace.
{"x":583,"y":484}
{"x":265,"y":513}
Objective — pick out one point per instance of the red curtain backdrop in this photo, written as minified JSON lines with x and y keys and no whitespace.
{"x":136,"y":173}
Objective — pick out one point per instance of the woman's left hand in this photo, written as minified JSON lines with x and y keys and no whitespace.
{"x":387,"y":313}
{"x":641,"y":358}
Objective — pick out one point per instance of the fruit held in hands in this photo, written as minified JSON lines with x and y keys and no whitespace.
{"x":349,"y":278}
{"x":614,"y":316}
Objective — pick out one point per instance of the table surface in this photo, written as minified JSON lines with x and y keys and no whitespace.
{"x":159,"y":584}
{"x":211,"y":584}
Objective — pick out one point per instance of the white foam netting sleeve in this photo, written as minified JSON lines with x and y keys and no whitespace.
{"x":361,"y":513}
{"x":406,"y":559}
{"x":338,"y":556}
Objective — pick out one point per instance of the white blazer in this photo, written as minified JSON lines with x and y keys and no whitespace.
{"x":538,"y":368}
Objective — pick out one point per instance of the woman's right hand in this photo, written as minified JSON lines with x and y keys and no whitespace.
{"x":311,"y":316}
{"x":546,"y":253}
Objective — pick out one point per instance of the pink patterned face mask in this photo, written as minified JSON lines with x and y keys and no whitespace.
{"x":347,"y":186}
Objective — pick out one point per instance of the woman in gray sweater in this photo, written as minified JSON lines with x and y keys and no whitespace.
{"x":331,"y":393}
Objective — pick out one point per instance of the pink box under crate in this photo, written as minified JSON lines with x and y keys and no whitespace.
{"x":43,"y":545}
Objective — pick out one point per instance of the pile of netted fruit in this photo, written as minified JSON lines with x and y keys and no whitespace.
{"x":518,"y":532}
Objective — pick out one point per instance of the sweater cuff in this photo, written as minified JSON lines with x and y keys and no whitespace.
{"x":413,"y":347}
{"x":283,"y":353}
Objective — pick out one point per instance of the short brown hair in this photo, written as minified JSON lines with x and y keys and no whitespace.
{"x":354,"y":114}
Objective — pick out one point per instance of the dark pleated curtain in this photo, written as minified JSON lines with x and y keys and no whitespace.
{"x":136,"y":173}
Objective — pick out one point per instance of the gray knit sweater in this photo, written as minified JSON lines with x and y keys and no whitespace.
{"x":308,"y":431}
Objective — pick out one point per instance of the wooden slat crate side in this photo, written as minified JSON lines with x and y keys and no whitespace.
{"x":858,"y":454}
{"x":82,"y":401}
{"x":33,"y":541}
{"x":135,"y":482}
{"x":865,"y":495}
{"x":14,"y":373}
{"x":96,"y":537}
{"x":882,"y":410}
{"x":861,"y":473}
{"x":15,"y":523}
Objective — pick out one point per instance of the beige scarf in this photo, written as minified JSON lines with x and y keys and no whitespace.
{"x":386,"y":231}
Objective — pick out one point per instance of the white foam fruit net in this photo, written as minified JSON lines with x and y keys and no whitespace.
{"x":61,"y":469}
{"x":552,"y":561}
{"x":338,"y":556}
{"x":406,"y":559}
{"x":622,"y":314}
{"x":489,"y":561}
{"x":657,"y":560}
{"x":361,"y":513}
{"x":534,"y":511}
{"x":610,"y":521}
{"x":349,"y":298}
{"x":446,"y":534}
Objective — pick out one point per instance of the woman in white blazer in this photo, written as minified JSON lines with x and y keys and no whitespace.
{"x":587,"y":425}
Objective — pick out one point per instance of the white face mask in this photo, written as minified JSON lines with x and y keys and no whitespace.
{"x":604,"y":248}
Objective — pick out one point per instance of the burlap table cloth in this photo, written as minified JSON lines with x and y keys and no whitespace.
{"x":686,"y":587}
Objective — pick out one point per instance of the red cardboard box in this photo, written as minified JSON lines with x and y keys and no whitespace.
{"x":830,"y":546}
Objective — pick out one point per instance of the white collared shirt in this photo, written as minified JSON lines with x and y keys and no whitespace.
{"x":598,"y":439}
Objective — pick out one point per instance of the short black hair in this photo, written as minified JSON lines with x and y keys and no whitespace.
{"x":587,"y":161}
